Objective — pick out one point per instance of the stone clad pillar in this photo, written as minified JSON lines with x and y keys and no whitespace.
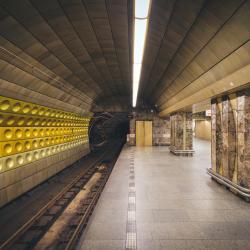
{"x":231,"y":140}
{"x":181,"y":134}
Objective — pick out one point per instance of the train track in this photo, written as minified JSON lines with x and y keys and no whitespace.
{"x":29,"y":235}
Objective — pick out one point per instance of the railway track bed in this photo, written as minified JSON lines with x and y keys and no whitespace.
{"x":61,"y":221}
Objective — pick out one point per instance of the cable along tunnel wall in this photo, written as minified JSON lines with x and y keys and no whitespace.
{"x":36,"y":142}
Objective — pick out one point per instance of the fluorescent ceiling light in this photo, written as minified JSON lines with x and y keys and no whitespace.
{"x":142,"y":8}
{"x":140,"y":31}
{"x":139,"y":39}
{"x":136,"y":80}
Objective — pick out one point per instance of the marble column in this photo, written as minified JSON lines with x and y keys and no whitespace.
{"x":181,"y":134}
{"x":231,"y":138}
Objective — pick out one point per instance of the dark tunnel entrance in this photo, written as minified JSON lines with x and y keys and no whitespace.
{"x":106,"y":127}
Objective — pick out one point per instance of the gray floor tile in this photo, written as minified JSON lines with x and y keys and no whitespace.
{"x":102,"y":245}
{"x":178,"y":206}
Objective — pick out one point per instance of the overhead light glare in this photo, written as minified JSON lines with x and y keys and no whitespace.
{"x":142,"y":8}
{"x":136,"y":80}
{"x":139,"y":39}
{"x":140,"y":31}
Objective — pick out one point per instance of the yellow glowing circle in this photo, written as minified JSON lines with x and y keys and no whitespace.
{"x":20,"y":160}
{"x":37,"y":122}
{"x":35,"y":144}
{"x":20,"y":121}
{"x":18,"y":147}
{"x":35,"y":132}
{"x":34,"y":111}
{"x":8,"y":134}
{"x":41,"y":143}
{"x":16,"y":107}
{"x":10,"y":163}
{"x":43,"y":123}
{"x":41,"y":111}
{"x":10,"y":121}
{"x":42,"y":153}
{"x":27,"y":145}
{"x":49,"y":122}
{"x":8,"y":148}
{"x":48,"y":132}
{"x":47,"y":113}
{"x":4,"y":105}
{"x":47,"y":142}
{"x":41,"y":132}
{"x":48,"y":151}
{"x":26,"y":109}
{"x":29,"y":157}
{"x":19,"y":133}
{"x":36,"y":155}
{"x":27,"y":133}
{"x":52,"y":114}
{"x":1,"y":166}
{"x":30,"y":122}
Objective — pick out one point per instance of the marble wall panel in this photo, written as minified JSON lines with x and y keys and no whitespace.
{"x":231,"y":137}
{"x":161,"y":128}
{"x":181,"y":131}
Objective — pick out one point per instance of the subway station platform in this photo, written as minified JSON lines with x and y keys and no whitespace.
{"x":177,"y":205}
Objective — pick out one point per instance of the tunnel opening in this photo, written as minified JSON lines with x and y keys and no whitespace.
{"x":107,"y":127}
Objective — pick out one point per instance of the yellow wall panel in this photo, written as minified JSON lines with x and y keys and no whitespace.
{"x":148,"y":130}
{"x":29,"y":132}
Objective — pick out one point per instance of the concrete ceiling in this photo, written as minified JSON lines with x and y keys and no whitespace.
{"x":75,"y":51}
{"x":76,"y":54}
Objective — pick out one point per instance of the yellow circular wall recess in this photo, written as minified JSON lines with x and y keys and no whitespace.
{"x":16,"y":107}
{"x":19,"y":147}
{"x":8,"y":148}
{"x":4,"y":105}
{"x":29,"y":157}
{"x":20,"y":160}
{"x":8,"y":134}
{"x":19,"y":133}
{"x":10,"y":163}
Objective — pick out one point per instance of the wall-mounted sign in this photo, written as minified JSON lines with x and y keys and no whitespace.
{"x":208,"y":112}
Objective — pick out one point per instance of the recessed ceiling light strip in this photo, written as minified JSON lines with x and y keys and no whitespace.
{"x":141,"y":17}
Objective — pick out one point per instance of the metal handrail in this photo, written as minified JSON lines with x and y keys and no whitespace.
{"x":239,"y":189}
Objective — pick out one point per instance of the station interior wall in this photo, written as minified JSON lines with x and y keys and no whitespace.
{"x":36,"y":142}
{"x":160,"y":128}
{"x":202,"y":129}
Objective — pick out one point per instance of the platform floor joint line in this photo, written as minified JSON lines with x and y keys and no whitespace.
{"x":131,"y":213}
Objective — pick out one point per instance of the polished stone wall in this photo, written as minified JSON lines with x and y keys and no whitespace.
{"x":161,"y":128}
{"x":231,"y":137}
{"x":181,"y":133}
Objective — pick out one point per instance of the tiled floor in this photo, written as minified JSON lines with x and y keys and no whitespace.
{"x":178,"y":206}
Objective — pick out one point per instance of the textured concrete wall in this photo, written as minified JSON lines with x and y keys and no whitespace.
{"x":161,"y":128}
{"x":231,"y":137}
{"x":181,"y":133}
{"x":203,"y":129}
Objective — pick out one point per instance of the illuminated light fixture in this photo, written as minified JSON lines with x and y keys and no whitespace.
{"x":141,"y":17}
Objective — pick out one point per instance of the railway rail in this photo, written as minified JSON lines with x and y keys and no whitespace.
{"x":28,"y":236}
